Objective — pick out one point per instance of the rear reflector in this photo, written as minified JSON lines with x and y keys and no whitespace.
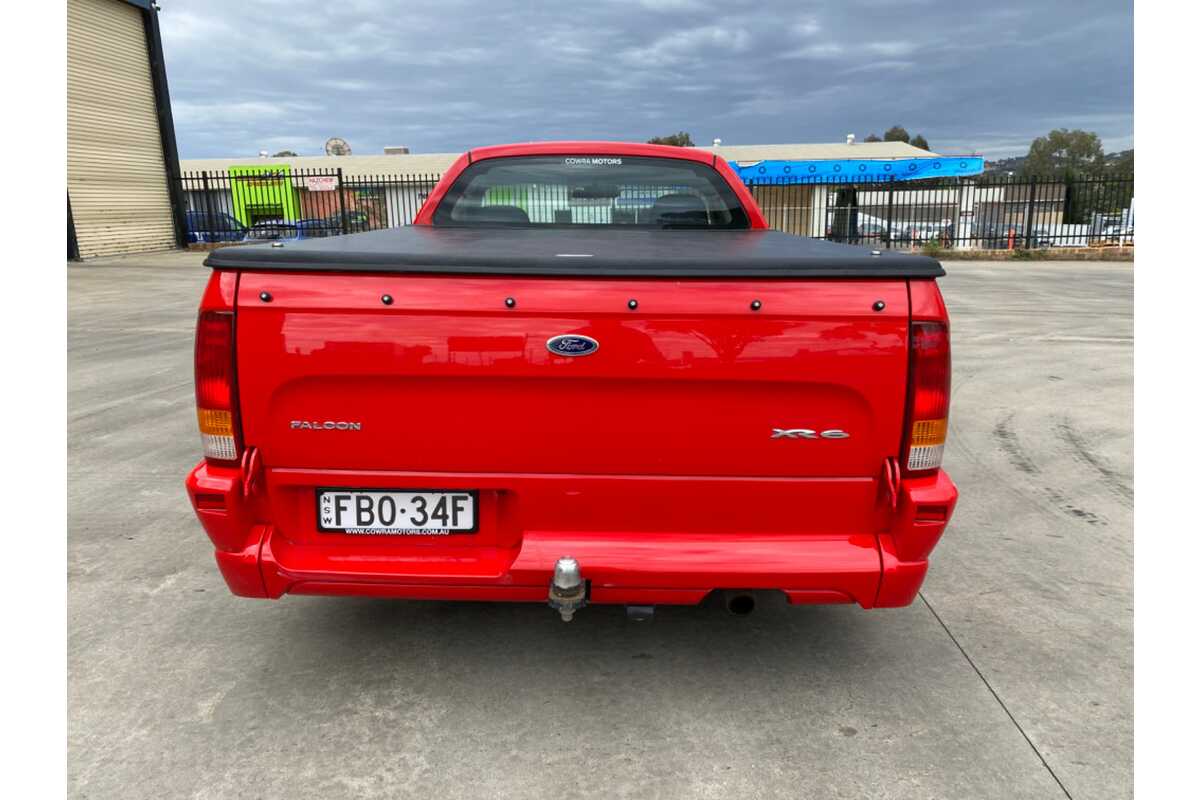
{"x":210,"y":502}
{"x":216,"y":397}
{"x":928,"y":396}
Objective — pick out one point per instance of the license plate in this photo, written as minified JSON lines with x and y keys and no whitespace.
{"x":408,"y":512}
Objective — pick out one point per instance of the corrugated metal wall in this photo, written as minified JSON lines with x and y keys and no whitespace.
{"x":116,"y":176}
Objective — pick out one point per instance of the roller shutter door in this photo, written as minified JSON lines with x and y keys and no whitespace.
{"x":116,"y":175}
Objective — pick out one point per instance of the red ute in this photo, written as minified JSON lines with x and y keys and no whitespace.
{"x":587,"y":374}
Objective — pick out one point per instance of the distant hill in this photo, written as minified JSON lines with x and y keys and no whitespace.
{"x":1004,"y":165}
{"x":1013,"y":164}
{"x":1122,"y":161}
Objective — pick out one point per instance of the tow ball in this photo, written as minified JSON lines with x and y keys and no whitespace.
{"x":568,"y":591}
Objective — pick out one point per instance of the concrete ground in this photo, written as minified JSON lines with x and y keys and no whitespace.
{"x":1011,"y":676}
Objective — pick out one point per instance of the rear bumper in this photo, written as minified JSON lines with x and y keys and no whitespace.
{"x":881,"y":568}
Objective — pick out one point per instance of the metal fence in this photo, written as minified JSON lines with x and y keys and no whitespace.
{"x":986,"y":212}
{"x":269,"y":203}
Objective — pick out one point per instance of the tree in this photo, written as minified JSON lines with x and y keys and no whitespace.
{"x":1064,"y":153}
{"x":895,"y":134}
{"x":919,"y":141}
{"x":1122,"y":163}
{"x":1067,"y":156}
{"x":284,"y":154}
{"x":871,"y":137}
{"x":681,"y":139}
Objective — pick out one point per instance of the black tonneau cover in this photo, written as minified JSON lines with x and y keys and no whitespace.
{"x":576,"y":252}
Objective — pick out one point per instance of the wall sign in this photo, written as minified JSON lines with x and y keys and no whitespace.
{"x":321,"y":183}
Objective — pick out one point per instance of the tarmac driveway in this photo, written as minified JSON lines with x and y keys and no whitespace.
{"x":1011,"y":676}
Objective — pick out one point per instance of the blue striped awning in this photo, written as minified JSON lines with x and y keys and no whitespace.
{"x":900,"y":169}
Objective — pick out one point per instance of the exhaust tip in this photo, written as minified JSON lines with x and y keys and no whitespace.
{"x":639,"y":613}
{"x":740,"y":604}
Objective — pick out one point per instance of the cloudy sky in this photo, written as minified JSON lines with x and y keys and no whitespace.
{"x":446,"y":75}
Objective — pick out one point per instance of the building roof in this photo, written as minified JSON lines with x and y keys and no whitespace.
{"x":436,"y":163}
{"x":414,"y":163}
{"x":747,"y":153}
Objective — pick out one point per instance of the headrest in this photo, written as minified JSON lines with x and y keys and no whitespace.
{"x":509,"y":214}
{"x":678,"y":209}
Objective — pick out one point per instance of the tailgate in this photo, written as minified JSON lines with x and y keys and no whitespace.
{"x":449,"y":379}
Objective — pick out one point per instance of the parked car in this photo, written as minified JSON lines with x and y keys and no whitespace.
{"x":489,"y":405}
{"x":356,"y":221}
{"x":318,"y":228}
{"x":1042,"y":236}
{"x":272,"y":229}
{"x":872,"y":231}
{"x":1116,"y":233}
{"x":210,"y":227}
{"x":867,"y":232}
{"x":280,"y":229}
{"x":922,"y":232}
{"x":900,"y":234}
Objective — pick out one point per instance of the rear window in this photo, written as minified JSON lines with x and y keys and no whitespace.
{"x":584,"y":190}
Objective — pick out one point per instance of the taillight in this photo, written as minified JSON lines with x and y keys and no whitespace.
{"x":216,"y":392}
{"x":928,"y":396}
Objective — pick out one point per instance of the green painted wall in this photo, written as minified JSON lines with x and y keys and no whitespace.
{"x":263,"y":191}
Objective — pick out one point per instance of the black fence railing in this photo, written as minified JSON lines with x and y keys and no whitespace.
{"x":990,"y":212}
{"x":982,"y":212}
{"x":272,"y":203}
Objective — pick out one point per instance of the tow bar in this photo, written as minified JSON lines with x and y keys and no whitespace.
{"x":568,"y":591}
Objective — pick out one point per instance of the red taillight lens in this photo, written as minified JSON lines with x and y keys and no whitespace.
{"x":216,"y":393}
{"x":928,"y":396}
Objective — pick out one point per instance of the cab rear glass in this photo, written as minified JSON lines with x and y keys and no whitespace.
{"x":591,"y":190}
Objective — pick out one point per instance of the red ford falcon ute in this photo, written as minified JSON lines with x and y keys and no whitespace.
{"x":587,"y":373}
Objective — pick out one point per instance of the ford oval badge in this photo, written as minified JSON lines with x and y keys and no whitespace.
{"x":572,"y":344}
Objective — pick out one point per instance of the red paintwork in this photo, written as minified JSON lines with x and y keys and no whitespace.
{"x":650,"y":462}
{"x":628,"y":149}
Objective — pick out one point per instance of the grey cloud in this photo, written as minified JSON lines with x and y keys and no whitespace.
{"x":881,"y":68}
{"x":446,"y":75}
{"x":690,"y":46}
